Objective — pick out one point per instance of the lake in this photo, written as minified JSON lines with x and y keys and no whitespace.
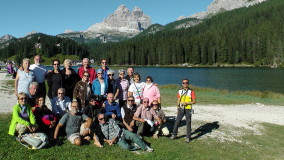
{"x":260,"y":79}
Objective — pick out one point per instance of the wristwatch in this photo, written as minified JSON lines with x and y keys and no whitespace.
{"x":87,"y":129}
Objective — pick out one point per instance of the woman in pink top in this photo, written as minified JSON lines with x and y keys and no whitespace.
{"x":151,"y":91}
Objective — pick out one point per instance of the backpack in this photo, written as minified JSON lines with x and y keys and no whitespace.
{"x":35,"y":140}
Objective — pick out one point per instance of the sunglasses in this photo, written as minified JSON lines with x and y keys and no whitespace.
{"x":100,"y":73}
{"x":146,"y":101}
{"x":101,"y":119}
{"x":111,"y":75}
{"x":86,"y":76}
{"x":131,"y":100}
{"x":23,"y":98}
{"x":185,"y":83}
{"x":56,"y":64}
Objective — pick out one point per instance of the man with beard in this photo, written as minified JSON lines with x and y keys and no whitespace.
{"x":74,"y":129}
{"x":40,"y":73}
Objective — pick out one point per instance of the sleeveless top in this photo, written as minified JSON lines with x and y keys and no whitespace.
{"x":24,"y":81}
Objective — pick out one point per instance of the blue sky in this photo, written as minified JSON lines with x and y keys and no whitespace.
{"x":52,"y":17}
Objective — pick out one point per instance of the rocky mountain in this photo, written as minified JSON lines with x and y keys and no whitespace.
{"x":122,"y":24}
{"x":6,"y":38}
{"x":218,"y":6}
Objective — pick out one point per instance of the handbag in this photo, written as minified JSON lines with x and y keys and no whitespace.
{"x":141,"y":100}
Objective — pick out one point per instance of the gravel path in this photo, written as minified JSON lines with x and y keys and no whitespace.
{"x":246,"y":115}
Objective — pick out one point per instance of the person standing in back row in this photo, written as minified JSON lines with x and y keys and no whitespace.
{"x":40,"y":75}
{"x":104,"y":68}
{"x":87,"y":67}
{"x":186,"y":98}
{"x":129,"y":76}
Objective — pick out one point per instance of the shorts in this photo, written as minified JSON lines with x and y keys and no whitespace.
{"x":73,"y":136}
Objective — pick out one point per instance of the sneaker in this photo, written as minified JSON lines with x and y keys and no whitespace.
{"x":187,"y":140}
{"x":172,"y":137}
{"x":148,"y":149}
{"x":136,"y":145}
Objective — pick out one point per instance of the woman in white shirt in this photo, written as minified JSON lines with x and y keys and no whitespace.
{"x":136,"y":89}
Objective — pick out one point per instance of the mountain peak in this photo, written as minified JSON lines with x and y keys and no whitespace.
{"x":218,"y":6}
{"x":136,"y":9}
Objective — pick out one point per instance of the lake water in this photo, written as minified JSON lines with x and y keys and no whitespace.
{"x":260,"y":79}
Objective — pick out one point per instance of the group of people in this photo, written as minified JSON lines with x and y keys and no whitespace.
{"x":106,"y":109}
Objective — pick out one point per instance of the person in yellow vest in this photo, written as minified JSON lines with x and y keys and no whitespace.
{"x":186,"y":98}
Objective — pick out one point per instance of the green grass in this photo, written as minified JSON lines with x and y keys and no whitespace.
{"x":214,"y":96}
{"x":268,"y":145}
{"x":245,"y":145}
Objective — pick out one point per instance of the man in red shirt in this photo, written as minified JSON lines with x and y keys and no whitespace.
{"x":86,"y":67}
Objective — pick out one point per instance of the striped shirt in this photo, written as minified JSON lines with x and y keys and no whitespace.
{"x":110,"y":130}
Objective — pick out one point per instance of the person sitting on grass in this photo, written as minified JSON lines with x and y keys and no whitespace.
{"x":145,"y":113}
{"x":23,"y":119}
{"x":127,"y":113}
{"x":109,"y":132}
{"x":74,"y":129}
{"x":160,"y":128}
{"x":61,"y":103}
{"x":32,"y":94}
{"x":93,"y":109}
{"x":44,"y":117}
{"x":112,"y":109}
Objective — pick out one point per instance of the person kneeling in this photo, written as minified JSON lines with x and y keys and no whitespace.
{"x":23,"y":119}
{"x":109,"y":132}
{"x":74,"y":129}
{"x":160,"y":128}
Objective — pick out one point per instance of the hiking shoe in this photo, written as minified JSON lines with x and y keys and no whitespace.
{"x":187,"y":140}
{"x":172,"y":137}
{"x":148,"y":149}
{"x":136,"y":145}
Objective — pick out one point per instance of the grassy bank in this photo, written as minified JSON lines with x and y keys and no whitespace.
{"x":215,"y":96}
{"x":268,"y":145}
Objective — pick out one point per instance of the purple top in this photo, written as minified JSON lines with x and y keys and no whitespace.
{"x":10,"y":69}
{"x":123,"y":88}
{"x":24,"y":116}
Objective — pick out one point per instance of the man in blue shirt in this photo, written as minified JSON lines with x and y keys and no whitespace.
{"x":112,"y":109}
{"x":104,"y":68}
